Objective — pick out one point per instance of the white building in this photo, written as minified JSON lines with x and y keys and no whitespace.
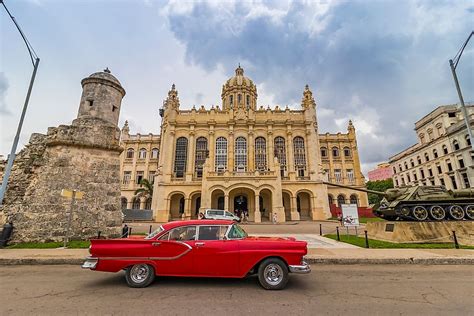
{"x":443,"y":154}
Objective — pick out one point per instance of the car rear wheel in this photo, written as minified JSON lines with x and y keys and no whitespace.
{"x":139,"y":275}
{"x":273,"y":274}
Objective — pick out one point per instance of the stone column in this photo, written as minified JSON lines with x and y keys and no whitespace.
{"x":270,"y":152}
{"x":291,"y":159}
{"x":212,"y":148}
{"x":226,"y":202}
{"x":190,"y":156}
{"x":230,"y":149}
{"x":294,"y":215}
{"x":142,"y":203}
{"x":257,"y":214}
{"x":187,"y":208}
{"x":250,"y":151}
{"x":168,"y":148}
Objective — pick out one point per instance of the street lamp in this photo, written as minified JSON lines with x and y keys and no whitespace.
{"x":35,"y":61}
{"x":454,"y":63}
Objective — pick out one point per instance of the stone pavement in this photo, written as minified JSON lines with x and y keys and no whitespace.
{"x":315,"y":241}
{"x":315,"y":255}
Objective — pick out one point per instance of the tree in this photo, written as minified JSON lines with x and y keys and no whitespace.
{"x":146,"y":188}
{"x":380,"y":185}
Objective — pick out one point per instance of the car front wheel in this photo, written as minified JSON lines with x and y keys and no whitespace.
{"x":139,"y":275}
{"x":273,"y":274}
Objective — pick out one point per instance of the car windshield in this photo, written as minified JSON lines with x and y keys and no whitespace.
{"x":237,"y":232}
{"x":155,"y":232}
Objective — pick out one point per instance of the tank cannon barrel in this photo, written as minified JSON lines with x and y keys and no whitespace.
{"x":356,"y":189}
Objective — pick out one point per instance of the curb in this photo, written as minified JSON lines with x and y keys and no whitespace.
{"x":311,"y":260}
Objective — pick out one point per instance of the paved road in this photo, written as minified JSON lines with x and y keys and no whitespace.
{"x":329,"y":290}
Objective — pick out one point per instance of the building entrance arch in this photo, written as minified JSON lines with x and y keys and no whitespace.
{"x":242,"y":199}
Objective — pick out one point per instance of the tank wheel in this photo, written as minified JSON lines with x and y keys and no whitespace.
{"x":405,"y":211}
{"x":437,"y":212}
{"x":469,"y":212}
{"x":420,"y":213}
{"x":456,"y":212}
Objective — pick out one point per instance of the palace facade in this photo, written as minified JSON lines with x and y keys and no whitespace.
{"x":241,"y":156}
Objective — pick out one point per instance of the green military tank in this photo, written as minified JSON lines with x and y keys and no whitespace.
{"x":422,"y":203}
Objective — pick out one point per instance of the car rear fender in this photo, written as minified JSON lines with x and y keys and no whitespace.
{"x":116,"y":265}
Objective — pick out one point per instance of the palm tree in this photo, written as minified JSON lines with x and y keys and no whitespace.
{"x":146,"y":188}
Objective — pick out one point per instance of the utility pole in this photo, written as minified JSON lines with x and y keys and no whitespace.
{"x":453,"y":64}
{"x":35,"y":60}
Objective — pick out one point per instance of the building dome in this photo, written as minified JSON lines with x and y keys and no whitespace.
{"x":239,"y":79}
{"x":239,"y":91}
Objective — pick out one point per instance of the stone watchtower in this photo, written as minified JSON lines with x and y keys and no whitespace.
{"x":82,"y":156}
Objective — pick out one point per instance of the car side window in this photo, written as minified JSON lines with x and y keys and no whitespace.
{"x":183,"y":233}
{"x":221,"y":213}
{"x":236,"y":232}
{"x":212,"y":232}
{"x":164,"y":237}
{"x":228,"y":214}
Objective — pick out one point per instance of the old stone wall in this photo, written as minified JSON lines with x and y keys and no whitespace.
{"x":83,"y":156}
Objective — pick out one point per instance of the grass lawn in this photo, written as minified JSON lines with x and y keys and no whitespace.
{"x":75,"y":244}
{"x":373,"y":243}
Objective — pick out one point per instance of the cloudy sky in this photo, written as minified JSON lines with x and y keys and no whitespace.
{"x":383,"y":64}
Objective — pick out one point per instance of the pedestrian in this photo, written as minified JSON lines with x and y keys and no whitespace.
{"x":274,"y":218}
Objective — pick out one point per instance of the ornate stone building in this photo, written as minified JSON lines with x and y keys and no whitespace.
{"x":83,"y":156}
{"x":271,"y":162}
{"x":443,"y":154}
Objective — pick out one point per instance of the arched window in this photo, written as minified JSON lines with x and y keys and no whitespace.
{"x":445,"y":149}
{"x":130,"y":153}
{"x":324,"y":152}
{"x":200,"y":155}
{"x":123,"y":201}
{"x":221,"y":154}
{"x":354,"y":199}
{"x":347,"y":152}
{"x":455,"y":145}
{"x":148,"y":204}
{"x":468,"y":140}
{"x":180,"y":157}
{"x":435,"y":153}
{"x":231,"y":100}
{"x":154,"y":153}
{"x":280,"y":153}
{"x":412,"y":163}
{"x":142,"y":153}
{"x":136,"y":203}
{"x":341,"y":199}
{"x":248,"y":101}
{"x":260,"y":154}
{"x":300,"y":156}
{"x":240,"y":154}
{"x":406,"y":165}
{"x":427,"y":157}
{"x":418,"y":159}
{"x":330,"y":199}
{"x":335,"y":152}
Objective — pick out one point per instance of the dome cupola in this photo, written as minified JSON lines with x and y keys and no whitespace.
{"x":239,"y":92}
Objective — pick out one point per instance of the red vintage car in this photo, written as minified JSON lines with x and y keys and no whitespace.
{"x":200,"y":248}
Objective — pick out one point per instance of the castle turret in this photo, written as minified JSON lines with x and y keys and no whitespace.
{"x":308,"y":100}
{"x":101,"y":97}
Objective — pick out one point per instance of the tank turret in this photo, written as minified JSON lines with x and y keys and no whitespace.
{"x":422,"y":203}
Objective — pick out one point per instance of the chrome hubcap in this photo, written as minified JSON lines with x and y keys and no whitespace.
{"x":437,"y":212}
{"x":139,"y":273}
{"x":273,"y":274}
{"x":456,"y":212}
{"x":420,"y":213}
{"x":470,"y":211}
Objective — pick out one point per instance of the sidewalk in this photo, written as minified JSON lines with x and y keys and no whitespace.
{"x":318,"y":255}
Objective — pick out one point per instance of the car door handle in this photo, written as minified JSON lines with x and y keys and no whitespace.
{"x":199,"y":244}
{"x":156,"y":244}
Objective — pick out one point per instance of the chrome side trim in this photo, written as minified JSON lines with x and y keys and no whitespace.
{"x":303,"y":268}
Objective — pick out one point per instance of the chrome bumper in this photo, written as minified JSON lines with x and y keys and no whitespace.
{"x":90,"y":263}
{"x":303,"y":268}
